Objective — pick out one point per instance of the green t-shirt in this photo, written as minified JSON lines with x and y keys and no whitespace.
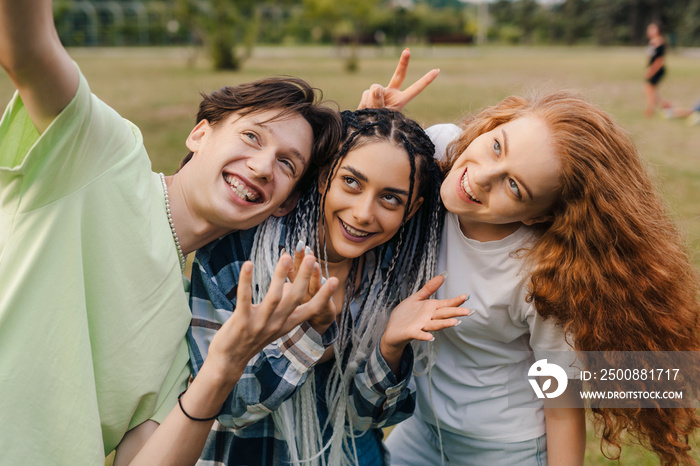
{"x":93,"y":310}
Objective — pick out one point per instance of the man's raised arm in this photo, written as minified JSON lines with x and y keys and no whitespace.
{"x":32,"y":55}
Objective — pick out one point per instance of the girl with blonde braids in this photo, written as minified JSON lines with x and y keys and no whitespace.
{"x":370,"y":220}
{"x":554,"y":189}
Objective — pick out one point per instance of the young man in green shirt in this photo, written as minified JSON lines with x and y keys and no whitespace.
{"x":92,"y":244}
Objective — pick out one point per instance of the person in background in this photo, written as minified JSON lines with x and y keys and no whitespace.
{"x":655,"y":70}
{"x":692,"y":115}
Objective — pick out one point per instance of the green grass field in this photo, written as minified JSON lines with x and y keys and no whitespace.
{"x":158,"y":90}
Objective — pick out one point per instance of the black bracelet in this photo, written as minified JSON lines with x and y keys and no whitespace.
{"x":179,"y":401}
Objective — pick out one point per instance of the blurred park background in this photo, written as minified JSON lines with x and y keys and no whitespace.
{"x":231,"y":28}
{"x":150,"y":59}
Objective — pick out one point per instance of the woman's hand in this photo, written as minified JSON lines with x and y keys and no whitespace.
{"x":392,"y":97}
{"x":316,"y":280}
{"x":251,"y":327}
{"x":322,"y":320}
{"x":416,"y":316}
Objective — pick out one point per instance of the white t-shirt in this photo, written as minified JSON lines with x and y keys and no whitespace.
{"x":442,"y":135}
{"x":480,"y":387}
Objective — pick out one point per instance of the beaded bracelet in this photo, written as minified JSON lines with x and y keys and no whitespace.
{"x":201,"y":419}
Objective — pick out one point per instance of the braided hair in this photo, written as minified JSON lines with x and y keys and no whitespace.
{"x":394,"y":270}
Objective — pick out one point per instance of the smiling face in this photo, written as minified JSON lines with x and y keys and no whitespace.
{"x":366,"y":200}
{"x":505,"y":178}
{"x":244,"y":169}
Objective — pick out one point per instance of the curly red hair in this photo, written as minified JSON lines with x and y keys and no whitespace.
{"x":610,"y":266}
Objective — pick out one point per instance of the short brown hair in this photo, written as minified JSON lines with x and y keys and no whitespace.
{"x":287,"y":94}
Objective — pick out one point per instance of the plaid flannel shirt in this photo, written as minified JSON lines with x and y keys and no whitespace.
{"x":245,"y":433}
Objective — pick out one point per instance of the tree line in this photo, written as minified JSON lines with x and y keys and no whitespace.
{"x":231,"y":28}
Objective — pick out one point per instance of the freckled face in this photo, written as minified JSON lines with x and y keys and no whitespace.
{"x":246,"y":167}
{"x":506,"y":177}
{"x":366,"y":200}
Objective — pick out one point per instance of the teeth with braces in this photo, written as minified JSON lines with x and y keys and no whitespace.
{"x":467,"y":189}
{"x":354,"y":232}
{"x":240,"y":189}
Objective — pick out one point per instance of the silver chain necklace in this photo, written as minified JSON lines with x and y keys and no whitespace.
{"x":180,"y":255}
